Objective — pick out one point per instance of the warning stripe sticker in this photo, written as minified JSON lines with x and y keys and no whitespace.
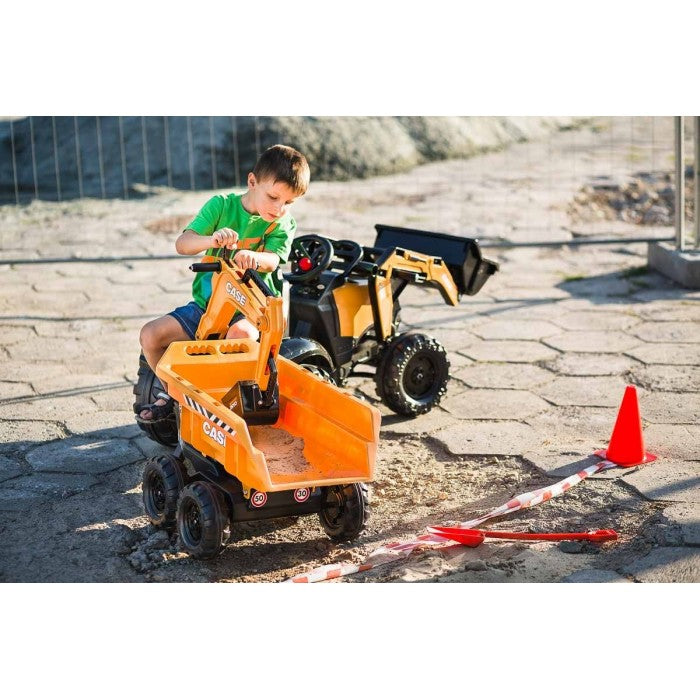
{"x":209,"y":416}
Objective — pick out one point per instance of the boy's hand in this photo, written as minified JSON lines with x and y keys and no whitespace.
{"x":225,"y":238}
{"x":245,"y":259}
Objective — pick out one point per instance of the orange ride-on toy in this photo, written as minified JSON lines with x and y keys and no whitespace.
{"x":258,"y":435}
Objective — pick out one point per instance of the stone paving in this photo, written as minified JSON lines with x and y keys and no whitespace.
{"x":540,"y":358}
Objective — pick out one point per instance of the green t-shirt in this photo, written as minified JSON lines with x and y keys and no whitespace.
{"x":226,"y":211}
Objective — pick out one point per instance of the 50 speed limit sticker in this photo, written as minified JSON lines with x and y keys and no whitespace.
{"x":301,"y":495}
{"x":258,"y":499}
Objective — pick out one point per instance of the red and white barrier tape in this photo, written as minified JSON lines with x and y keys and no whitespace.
{"x":401,"y":550}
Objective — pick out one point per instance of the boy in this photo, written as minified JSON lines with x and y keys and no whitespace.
{"x":257,"y":223}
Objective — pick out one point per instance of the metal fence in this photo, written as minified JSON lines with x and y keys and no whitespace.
{"x":617,"y":172}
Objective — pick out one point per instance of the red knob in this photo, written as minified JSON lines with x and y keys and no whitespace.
{"x":305,"y":264}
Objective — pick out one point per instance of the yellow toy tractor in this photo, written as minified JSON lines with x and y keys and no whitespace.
{"x":345,"y":297}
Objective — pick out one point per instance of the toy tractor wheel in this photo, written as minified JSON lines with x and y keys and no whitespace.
{"x":321,"y":370}
{"x":203,"y":521}
{"x":145,"y":391}
{"x":413,"y":374}
{"x":345,"y":512}
{"x":163,"y":479}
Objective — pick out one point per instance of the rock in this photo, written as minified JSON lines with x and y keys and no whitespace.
{"x":594,"y":576}
{"x":159,"y":540}
{"x":571,"y":546}
{"x":476,"y":565}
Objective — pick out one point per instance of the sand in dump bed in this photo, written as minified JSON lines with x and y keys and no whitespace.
{"x":283,"y":452}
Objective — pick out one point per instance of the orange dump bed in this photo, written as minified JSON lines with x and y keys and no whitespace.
{"x":323,"y":436}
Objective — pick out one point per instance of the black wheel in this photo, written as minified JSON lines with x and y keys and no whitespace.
{"x":145,"y":391}
{"x":320,"y":370}
{"x":203,"y":521}
{"x":413,"y":374}
{"x":346,"y":511}
{"x":163,"y":479}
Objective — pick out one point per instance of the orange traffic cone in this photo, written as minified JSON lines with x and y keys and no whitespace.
{"x":626,"y":446}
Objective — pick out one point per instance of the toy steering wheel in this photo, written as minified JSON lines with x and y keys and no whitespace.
{"x":310,"y":256}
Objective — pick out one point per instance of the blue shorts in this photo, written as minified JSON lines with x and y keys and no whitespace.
{"x":189,"y":316}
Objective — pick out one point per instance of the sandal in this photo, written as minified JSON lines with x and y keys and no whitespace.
{"x":159,"y":412}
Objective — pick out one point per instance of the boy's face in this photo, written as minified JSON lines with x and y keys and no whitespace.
{"x":270,"y":199}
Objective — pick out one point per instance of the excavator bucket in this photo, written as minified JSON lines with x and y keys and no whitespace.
{"x":323,"y":435}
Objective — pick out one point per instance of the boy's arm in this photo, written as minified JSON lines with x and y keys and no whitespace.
{"x":189,"y":242}
{"x":276,"y":249}
{"x":258,"y":260}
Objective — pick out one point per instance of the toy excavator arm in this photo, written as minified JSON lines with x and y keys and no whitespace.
{"x":413,"y":268}
{"x":234,"y":289}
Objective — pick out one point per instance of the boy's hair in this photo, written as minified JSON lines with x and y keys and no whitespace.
{"x":284,"y":164}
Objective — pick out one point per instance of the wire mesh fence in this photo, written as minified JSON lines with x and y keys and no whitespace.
{"x":617,"y":171}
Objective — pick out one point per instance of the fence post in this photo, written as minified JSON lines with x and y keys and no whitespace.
{"x":680,"y":182}
{"x":696,"y":189}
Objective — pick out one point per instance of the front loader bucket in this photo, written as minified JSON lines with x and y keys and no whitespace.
{"x":324,"y":435}
{"x":461,"y":255}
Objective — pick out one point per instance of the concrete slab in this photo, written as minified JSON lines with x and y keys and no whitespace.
{"x":73,"y":328}
{"x":16,"y":434}
{"x":53,"y":484}
{"x":114,"y":398}
{"x":686,"y":517}
{"x":666,"y":353}
{"x":54,"y":349}
{"x":666,"y":480}
{"x":13,"y":334}
{"x":532,"y":294}
{"x":47,"y":409}
{"x":10,"y":468}
{"x":498,"y":404}
{"x":675,"y":310}
{"x":583,"y":364}
{"x":681,"y":266}
{"x":673,"y":378}
{"x":488,"y":438}
{"x":514,"y":330}
{"x":458,"y":360}
{"x":593,"y":391}
{"x":559,"y":463}
{"x":668,"y":331}
{"x":577,"y":429}
{"x":83,"y":455}
{"x":16,"y":501}
{"x":594,"y":576}
{"x":14,"y":370}
{"x":592,"y":341}
{"x":147,"y":448}
{"x":519,"y":351}
{"x":104,"y":424}
{"x":501,"y":375}
{"x":600,"y":285}
{"x":13,"y":390}
{"x":590,"y":320}
{"x":426,"y":424}
{"x":678,"y":442}
{"x":667,"y":565}
{"x":668,"y":407}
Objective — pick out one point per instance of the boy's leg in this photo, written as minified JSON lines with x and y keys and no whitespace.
{"x":242,"y":328}
{"x":155,"y":338}
{"x":157,"y":335}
